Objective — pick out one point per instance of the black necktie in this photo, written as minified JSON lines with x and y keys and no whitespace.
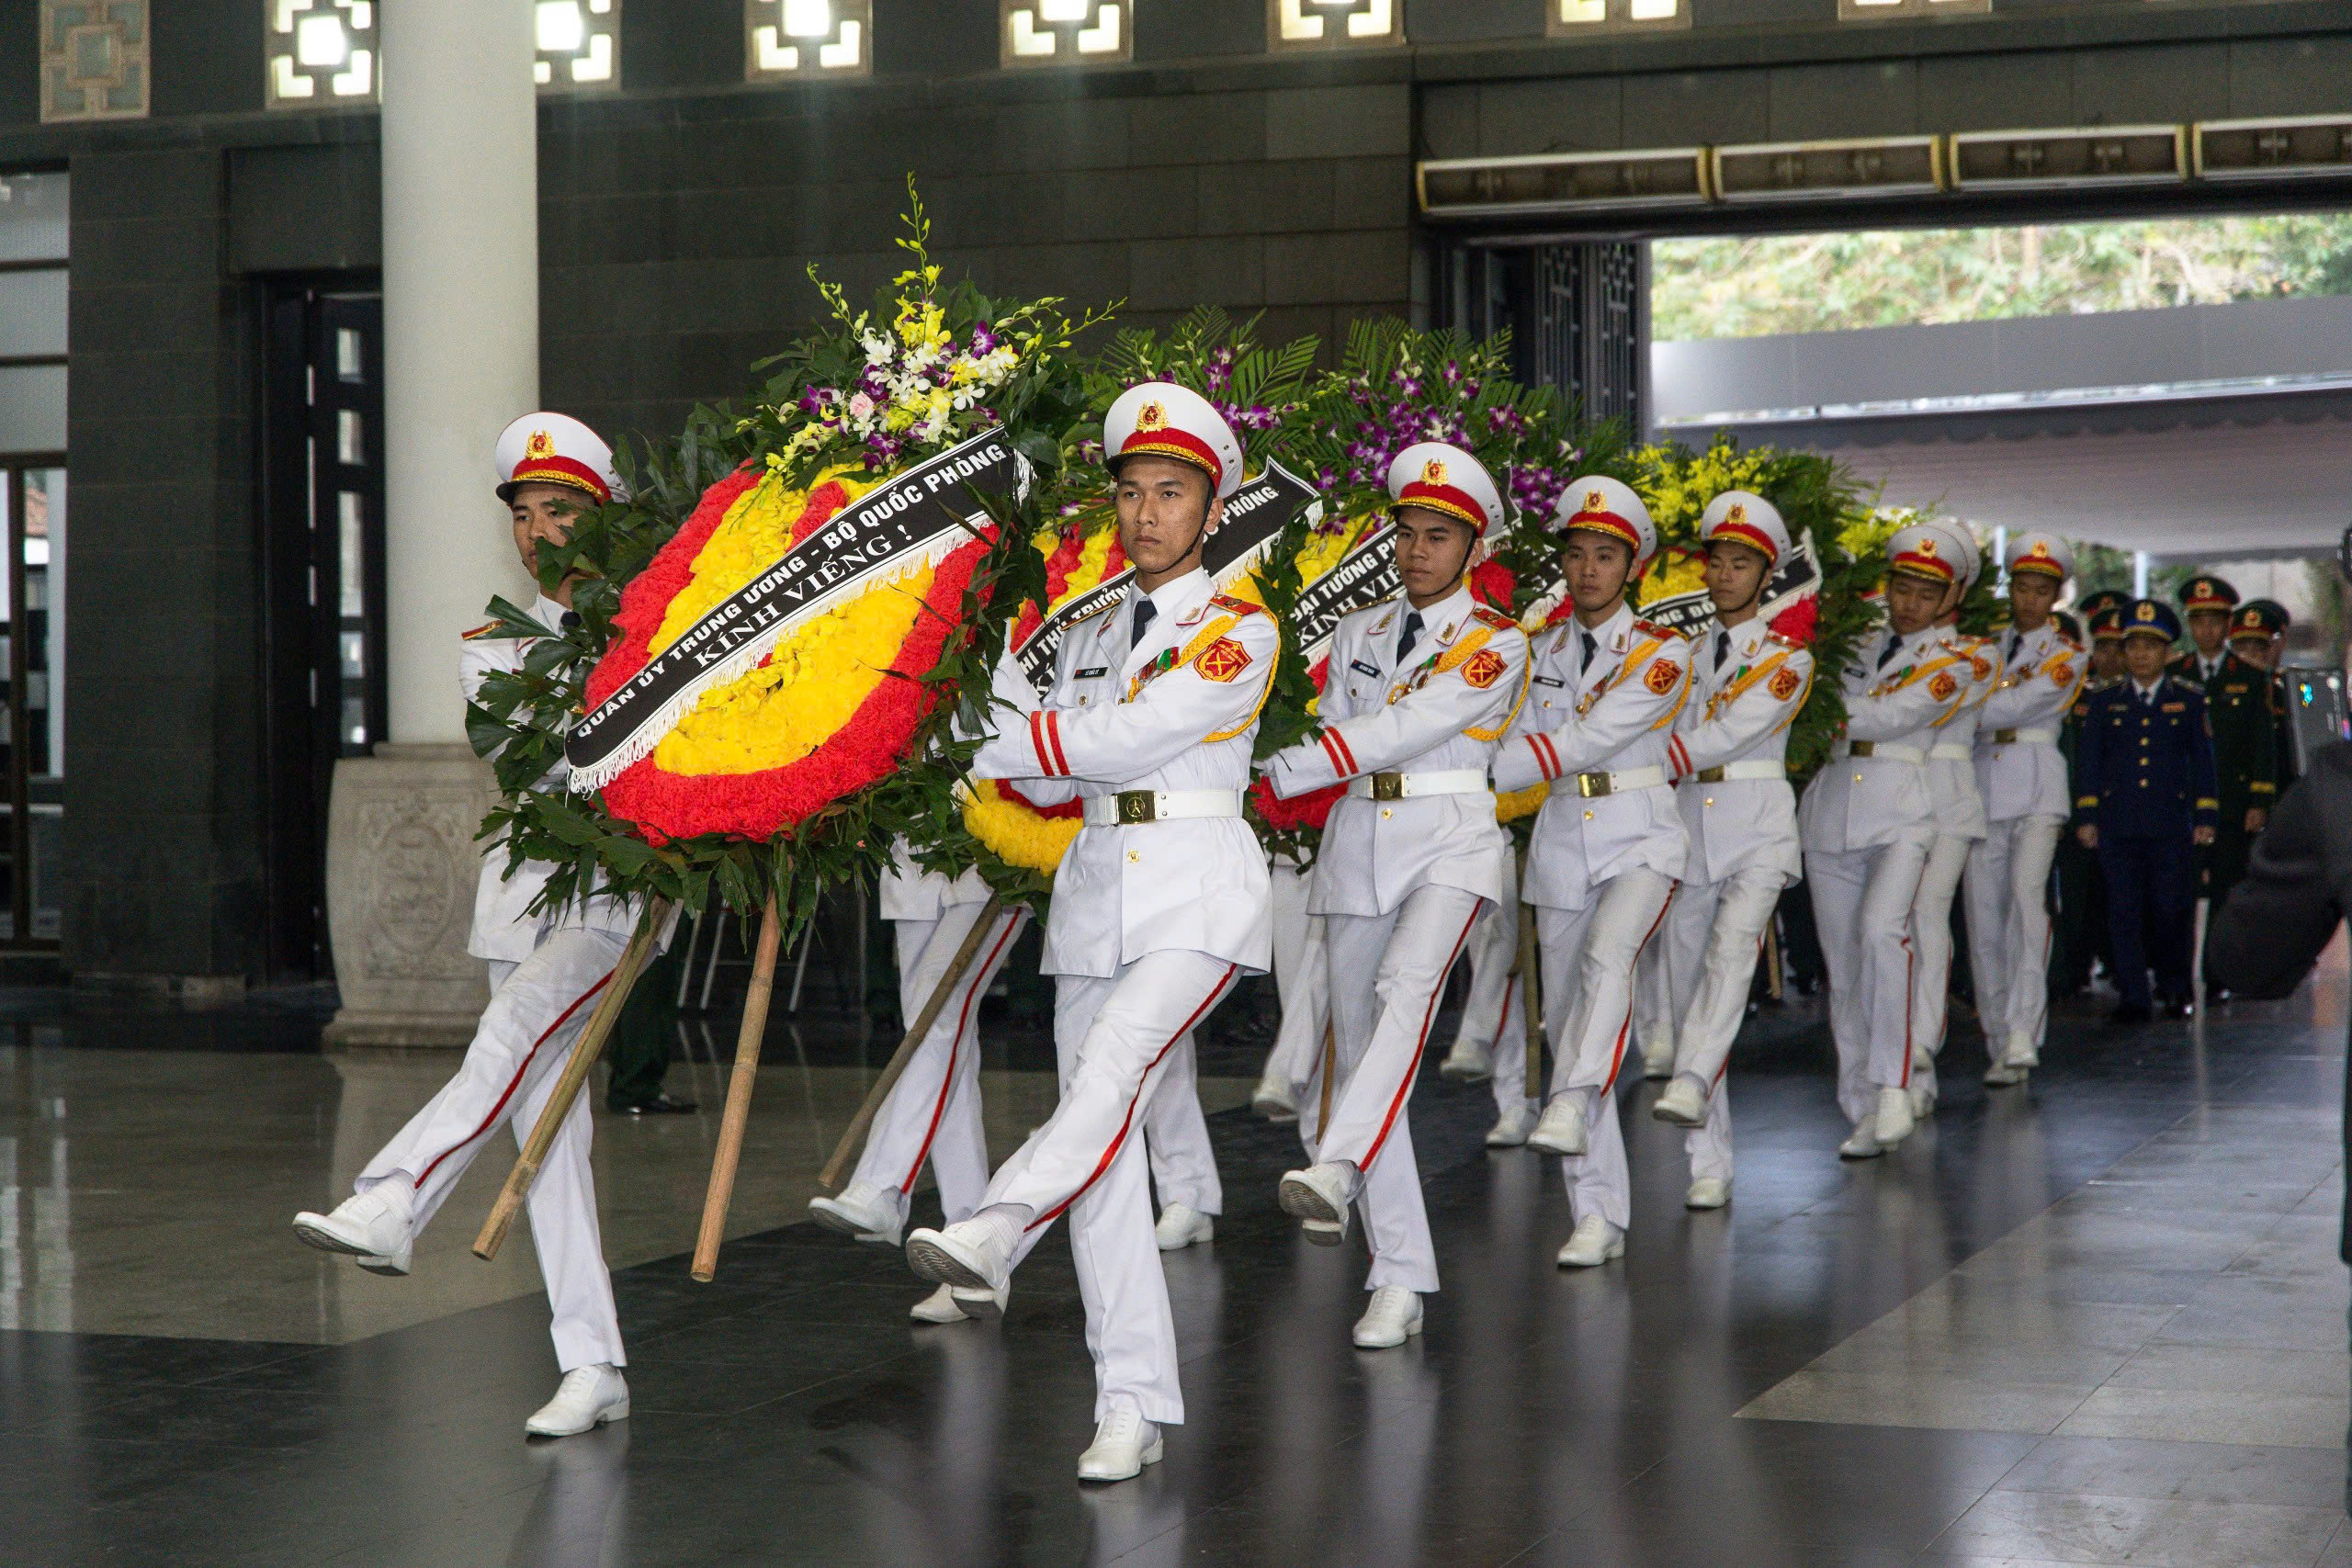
{"x":1586,"y":667}
{"x":2009,"y":646}
{"x":1723,"y":648}
{"x":1891,"y":644}
{"x":1145,"y":611}
{"x":1411,"y":635}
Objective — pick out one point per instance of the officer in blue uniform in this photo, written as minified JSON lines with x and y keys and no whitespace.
{"x":2144,"y":792}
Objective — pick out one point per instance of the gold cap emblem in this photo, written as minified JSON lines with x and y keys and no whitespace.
{"x":1595,"y":501}
{"x":1433,"y":471}
{"x":1151,"y":416}
{"x":2039,"y":550}
{"x":540,"y":446}
{"x":1927,"y":546}
{"x":2146,"y":612}
{"x":1737,"y":515}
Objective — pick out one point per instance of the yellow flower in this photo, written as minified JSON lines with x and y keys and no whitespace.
{"x":1519,"y":803}
{"x":1680,"y":571}
{"x":1016,"y":832}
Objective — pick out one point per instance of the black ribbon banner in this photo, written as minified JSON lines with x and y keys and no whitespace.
{"x":1362,"y":578}
{"x":1254,"y":518}
{"x":915,"y":519}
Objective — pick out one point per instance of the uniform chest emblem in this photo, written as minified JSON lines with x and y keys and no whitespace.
{"x":1484,"y":667}
{"x":1661,"y":677}
{"x":2176,"y":707}
{"x":1222,"y":660}
{"x":1942,"y":687}
{"x":1785,"y":682}
{"x":2064,"y":674}
{"x":1982,"y":670}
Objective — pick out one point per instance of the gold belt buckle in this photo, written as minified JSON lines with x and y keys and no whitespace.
{"x":1388,"y":786}
{"x":2003,"y":737}
{"x":1709,"y":775}
{"x":1591,"y":784}
{"x":1861,"y":748}
{"x":1137,"y":806}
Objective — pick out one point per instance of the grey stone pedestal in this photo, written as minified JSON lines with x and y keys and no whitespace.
{"x":401,"y":866}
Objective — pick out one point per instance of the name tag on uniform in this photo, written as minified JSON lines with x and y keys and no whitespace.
{"x":1094,"y":674}
{"x":2238,"y":691}
{"x":1361,"y":668}
{"x":1549,"y":681}
{"x":2176,"y":707}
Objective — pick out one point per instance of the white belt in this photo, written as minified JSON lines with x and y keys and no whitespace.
{"x":1761,"y":768}
{"x":1134,"y":808}
{"x":2030,"y":737}
{"x":1591,"y":784}
{"x":1411,"y":786}
{"x":1888,"y":751}
{"x":1951,"y":751}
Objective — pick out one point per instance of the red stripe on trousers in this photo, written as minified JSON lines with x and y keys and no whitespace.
{"x":1619,"y":1059}
{"x":955,"y":1048}
{"x":517,"y":1081}
{"x":1413,"y":1068}
{"x":1112,"y":1153}
{"x":1907,"y":1013}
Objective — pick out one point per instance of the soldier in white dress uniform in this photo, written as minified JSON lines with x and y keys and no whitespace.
{"x":1418,"y":692}
{"x":1868,"y":821}
{"x":1959,"y":827}
{"x":1159,"y":904}
{"x":933,"y":1114}
{"x":545,"y":974}
{"x":1748,"y":684}
{"x":2023,"y":777}
{"x":1604,"y":689}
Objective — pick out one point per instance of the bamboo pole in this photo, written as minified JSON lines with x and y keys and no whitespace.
{"x":854,"y":1134}
{"x":584,"y":1053}
{"x":721,"y":1191}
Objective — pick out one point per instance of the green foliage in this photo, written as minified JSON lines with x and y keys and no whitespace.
{"x":1807,"y":283}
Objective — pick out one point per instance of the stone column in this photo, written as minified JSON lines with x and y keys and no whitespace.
{"x":461,"y":358}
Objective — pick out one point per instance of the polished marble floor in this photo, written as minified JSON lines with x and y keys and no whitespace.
{"x":2098,"y":1322}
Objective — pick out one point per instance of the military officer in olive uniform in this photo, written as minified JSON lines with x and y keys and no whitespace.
{"x":2256,"y":628}
{"x":2143,"y":795}
{"x":2245,"y":723}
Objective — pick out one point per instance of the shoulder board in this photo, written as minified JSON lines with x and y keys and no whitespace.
{"x":1231,"y":605}
{"x":1781,"y":641}
{"x":1651,"y":629}
{"x":482,"y":630}
{"x":1102,"y":609}
{"x":1487,"y":616}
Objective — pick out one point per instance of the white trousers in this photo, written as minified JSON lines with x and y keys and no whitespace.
{"x":1588,"y":959}
{"x":2008,"y":931}
{"x":1931,"y":951}
{"x":1495,"y":1011}
{"x":1388,"y":973}
{"x":1714,"y":936}
{"x":1114,"y":1038}
{"x":538,"y":1008}
{"x":1302,"y":979}
{"x":1862,"y":909}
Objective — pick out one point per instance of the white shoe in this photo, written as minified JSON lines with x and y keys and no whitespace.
{"x":1512,"y":1128}
{"x":2002,"y":1075}
{"x":1893,"y":1122}
{"x":1707,"y":1193}
{"x":1468,"y":1061}
{"x":862,"y":1212}
{"x":1275,"y":1100}
{"x":1923,"y":1101}
{"x":1594,"y":1241}
{"x":948,"y":1305}
{"x":1318,"y":1198}
{"x":970,"y":1254}
{"x":2022,"y":1053}
{"x":372,"y":1227}
{"x":1393,"y":1317}
{"x":1180,"y":1226}
{"x":1682,"y":1103}
{"x":1862,"y":1142}
{"x":588,"y":1397}
{"x":1658,"y":1061}
{"x":1560,"y":1130}
{"x":1124,"y":1443}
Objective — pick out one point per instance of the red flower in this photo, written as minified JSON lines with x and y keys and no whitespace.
{"x":1796,"y":622}
{"x":1492,"y":584}
{"x":1066,"y":811}
{"x":664,"y":806}
{"x":1308,"y":811}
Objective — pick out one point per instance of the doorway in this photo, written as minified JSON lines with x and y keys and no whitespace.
{"x":323,"y":546}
